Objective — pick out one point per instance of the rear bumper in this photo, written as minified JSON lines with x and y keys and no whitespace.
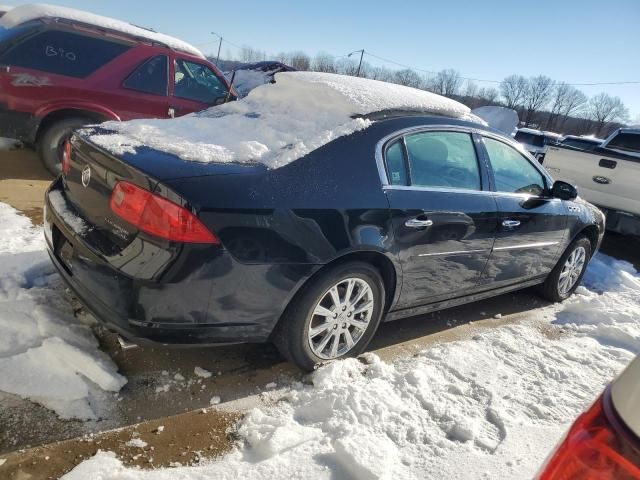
{"x":203,"y":297}
{"x":19,"y":125}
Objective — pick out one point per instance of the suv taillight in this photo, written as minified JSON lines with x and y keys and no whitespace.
{"x":66,"y":157}
{"x":594,"y":449}
{"x":158,"y":216}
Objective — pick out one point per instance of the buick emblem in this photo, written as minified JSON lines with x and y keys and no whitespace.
{"x":86,"y":176}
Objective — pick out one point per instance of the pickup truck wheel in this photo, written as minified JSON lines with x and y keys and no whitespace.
{"x":333,"y":317}
{"x":49,"y":145}
{"x":568,"y":272}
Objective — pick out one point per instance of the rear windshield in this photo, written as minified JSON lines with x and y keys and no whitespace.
{"x":629,"y":142}
{"x":530,"y":138}
{"x":62,"y":52}
{"x":8,"y":35}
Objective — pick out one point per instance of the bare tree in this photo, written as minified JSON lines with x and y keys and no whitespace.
{"x":347,"y":66}
{"x":323,"y":62}
{"x":249,"y":54}
{"x":566,"y":101}
{"x":446,"y":82}
{"x":489,"y":95}
{"x":604,"y":108}
{"x":537,"y":95}
{"x":300,"y":61}
{"x":380,"y":73}
{"x":471,"y":89}
{"x":513,"y":89}
{"x":408,"y":78}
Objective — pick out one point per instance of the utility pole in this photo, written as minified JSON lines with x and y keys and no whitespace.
{"x":219,"y":47}
{"x":360,"y":64}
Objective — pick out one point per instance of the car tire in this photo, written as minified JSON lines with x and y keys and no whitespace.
{"x":553,"y":288}
{"x":50,"y":143}
{"x":292,"y":335}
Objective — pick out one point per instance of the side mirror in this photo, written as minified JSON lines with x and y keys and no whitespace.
{"x":564,"y":190}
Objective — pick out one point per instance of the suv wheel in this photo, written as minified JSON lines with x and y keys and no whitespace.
{"x":568,"y":272}
{"x":50,"y":143}
{"x":333,"y":317}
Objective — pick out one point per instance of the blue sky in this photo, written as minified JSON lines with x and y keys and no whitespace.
{"x":572,"y":41}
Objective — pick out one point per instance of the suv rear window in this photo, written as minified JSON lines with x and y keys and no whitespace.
{"x":63,"y":53}
{"x":530,"y":138}
{"x":629,"y":142}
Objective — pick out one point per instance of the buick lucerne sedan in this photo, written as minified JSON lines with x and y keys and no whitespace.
{"x":306,"y":214}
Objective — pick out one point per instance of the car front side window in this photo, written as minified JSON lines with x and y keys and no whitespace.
{"x":512,"y":171}
{"x":197,"y":82}
{"x":443,"y":159}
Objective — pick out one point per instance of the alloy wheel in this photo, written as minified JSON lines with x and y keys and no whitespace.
{"x":340,"y":318}
{"x":571,"y":270}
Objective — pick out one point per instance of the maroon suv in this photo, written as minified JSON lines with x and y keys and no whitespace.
{"x":62,"y":68}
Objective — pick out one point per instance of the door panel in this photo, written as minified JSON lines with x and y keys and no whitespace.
{"x":531,"y":224}
{"x":447,"y":257}
{"x":531,"y":232}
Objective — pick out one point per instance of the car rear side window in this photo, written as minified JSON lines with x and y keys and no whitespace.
{"x":197,"y":82}
{"x":512,"y":171}
{"x":396,"y":166}
{"x":150,"y":77}
{"x":443,"y":159}
{"x":63,"y":53}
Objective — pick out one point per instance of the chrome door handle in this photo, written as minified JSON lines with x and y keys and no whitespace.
{"x":415,"y":223}
{"x":511,"y":223}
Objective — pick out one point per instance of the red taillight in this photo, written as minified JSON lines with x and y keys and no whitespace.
{"x":593,"y":449}
{"x":66,"y":157}
{"x":158,"y":216}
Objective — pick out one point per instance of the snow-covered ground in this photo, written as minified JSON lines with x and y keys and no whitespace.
{"x":491,"y":406}
{"x":46,"y":354}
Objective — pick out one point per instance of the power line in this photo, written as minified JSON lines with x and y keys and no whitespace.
{"x":432,"y":72}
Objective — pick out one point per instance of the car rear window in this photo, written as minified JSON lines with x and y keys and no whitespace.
{"x":530,"y":138}
{"x":626,"y":141}
{"x":63,"y":53}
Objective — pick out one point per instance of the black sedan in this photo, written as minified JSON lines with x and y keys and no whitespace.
{"x":417,"y":212}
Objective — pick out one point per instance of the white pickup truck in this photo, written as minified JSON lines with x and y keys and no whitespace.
{"x":607,"y":176}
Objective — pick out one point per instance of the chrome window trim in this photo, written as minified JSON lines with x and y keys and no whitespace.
{"x":436,"y":189}
{"x":380,"y":146}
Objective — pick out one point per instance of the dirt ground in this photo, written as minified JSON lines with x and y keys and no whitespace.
{"x":241,"y":371}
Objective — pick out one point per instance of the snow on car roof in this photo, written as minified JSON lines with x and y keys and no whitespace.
{"x":26,"y":13}
{"x":277,"y":123}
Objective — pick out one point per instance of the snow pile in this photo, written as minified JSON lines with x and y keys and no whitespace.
{"x":491,"y":406}
{"x":46,"y":354}
{"x":26,"y":13}
{"x":276,"y":123}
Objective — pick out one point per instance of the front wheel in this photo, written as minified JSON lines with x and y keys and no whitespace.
{"x":568,"y":272}
{"x":333,"y":317}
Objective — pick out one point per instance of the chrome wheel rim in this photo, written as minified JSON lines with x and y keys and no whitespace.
{"x":571,"y":270}
{"x":340,"y":318}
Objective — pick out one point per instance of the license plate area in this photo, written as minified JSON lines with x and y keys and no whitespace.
{"x":62,"y":249}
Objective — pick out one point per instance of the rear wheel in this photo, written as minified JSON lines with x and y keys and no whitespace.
{"x":52,"y":139}
{"x":568,"y":272}
{"x":333,"y":317}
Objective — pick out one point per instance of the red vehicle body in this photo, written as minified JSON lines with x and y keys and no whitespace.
{"x":46,"y":91}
